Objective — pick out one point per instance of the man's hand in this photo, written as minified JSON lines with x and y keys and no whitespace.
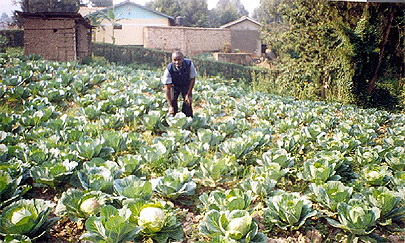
{"x":188,"y":99}
{"x":171,"y":110}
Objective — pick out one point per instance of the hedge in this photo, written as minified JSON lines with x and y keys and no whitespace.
{"x":11,"y":38}
{"x":157,"y":58}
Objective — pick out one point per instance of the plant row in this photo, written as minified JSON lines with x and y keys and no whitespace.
{"x":102,"y":137}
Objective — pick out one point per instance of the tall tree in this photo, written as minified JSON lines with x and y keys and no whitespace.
{"x":227,"y":11}
{"x":338,"y":50}
{"x":194,"y":12}
{"x":169,"y":7}
{"x":312,"y":50}
{"x":268,"y":12}
{"x":42,"y":6}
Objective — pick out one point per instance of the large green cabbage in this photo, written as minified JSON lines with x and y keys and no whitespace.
{"x":152,"y":219}
{"x":288,"y":210}
{"x":27,"y":218}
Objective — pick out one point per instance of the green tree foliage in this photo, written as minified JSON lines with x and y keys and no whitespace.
{"x":312,"y":50}
{"x":194,"y":12}
{"x":268,"y":13}
{"x":168,"y":7}
{"x":367,"y":39}
{"x":36,"y":6}
{"x":331,"y":49}
{"x":113,"y":19}
{"x":227,"y":11}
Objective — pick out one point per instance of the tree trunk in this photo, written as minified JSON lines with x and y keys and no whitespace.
{"x":323,"y":89}
{"x":382,"y":47}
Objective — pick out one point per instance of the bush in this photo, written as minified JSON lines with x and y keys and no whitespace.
{"x":96,"y":60}
{"x":156,"y":59}
{"x":11,"y":38}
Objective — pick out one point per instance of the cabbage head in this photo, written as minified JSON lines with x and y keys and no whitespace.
{"x":239,"y":227}
{"x":152,"y":218}
{"x":231,"y":226}
{"x":288,"y":210}
{"x":389,"y":203}
{"x":90,"y":206}
{"x":27,"y":218}
{"x":358,"y":219}
{"x":79,"y":205}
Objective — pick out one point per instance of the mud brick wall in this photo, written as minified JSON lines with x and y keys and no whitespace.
{"x":57,"y":38}
{"x":190,"y":41}
{"x":52,"y":39}
{"x":246,"y":41}
{"x":237,"y":58}
{"x":83,"y":41}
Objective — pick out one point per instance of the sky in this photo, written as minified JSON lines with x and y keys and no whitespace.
{"x":7,"y":6}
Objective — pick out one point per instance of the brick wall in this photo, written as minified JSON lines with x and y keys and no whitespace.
{"x":52,"y":39}
{"x":246,"y":41}
{"x":190,"y":41}
{"x":83,"y":41}
{"x":237,"y":58}
{"x":57,"y":38}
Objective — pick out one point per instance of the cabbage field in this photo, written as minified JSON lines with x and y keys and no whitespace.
{"x":89,"y":154}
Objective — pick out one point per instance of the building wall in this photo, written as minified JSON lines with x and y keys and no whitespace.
{"x":83,"y":41}
{"x":53,"y":39}
{"x":59,"y":39}
{"x":131,"y":32}
{"x":190,"y":41}
{"x":247,"y":41}
{"x":237,"y":58}
{"x":246,"y":37}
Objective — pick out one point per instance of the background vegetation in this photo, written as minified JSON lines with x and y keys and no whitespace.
{"x":158,"y":59}
{"x":196,"y":13}
{"x":77,"y":139}
{"x":334,"y":50}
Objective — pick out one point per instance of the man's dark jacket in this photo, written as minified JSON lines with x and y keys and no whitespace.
{"x":180,"y":77}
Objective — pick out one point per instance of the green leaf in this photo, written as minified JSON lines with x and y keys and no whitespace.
{"x":288,"y":210}
{"x":27,"y":217}
{"x":133,"y":187}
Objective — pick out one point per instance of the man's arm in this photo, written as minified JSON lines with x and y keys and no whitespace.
{"x":167,"y":81}
{"x":169,"y":97}
{"x":188,"y":97}
{"x":191,"y":86}
{"x":193,"y":74}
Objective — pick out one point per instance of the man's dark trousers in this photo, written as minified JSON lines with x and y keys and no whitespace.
{"x":186,"y":108}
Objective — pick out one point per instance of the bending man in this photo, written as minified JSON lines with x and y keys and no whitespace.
{"x":179,"y":78}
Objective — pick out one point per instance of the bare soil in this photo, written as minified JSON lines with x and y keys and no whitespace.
{"x":315,"y":231}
